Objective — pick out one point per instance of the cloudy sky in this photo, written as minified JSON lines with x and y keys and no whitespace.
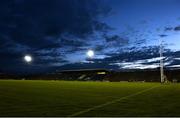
{"x":124,"y":34}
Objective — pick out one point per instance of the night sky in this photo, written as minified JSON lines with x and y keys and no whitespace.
{"x":124,"y":34}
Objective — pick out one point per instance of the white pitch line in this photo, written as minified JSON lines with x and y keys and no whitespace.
{"x":111,"y":102}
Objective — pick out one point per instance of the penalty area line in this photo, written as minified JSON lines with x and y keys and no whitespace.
{"x":111,"y":102}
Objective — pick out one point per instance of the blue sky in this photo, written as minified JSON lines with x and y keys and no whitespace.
{"x":123,"y":34}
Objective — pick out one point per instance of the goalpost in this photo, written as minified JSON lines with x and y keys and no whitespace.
{"x":161,"y":61}
{"x":163,"y":76}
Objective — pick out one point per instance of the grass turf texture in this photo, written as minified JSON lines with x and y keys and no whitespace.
{"x":65,"y":98}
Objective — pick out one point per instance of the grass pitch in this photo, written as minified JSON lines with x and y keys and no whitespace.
{"x":65,"y":98}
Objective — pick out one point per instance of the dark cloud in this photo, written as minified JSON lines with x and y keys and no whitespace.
{"x":142,"y":58}
{"x":163,"y":35}
{"x":133,"y":54}
{"x":116,"y":40}
{"x":99,"y":47}
{"x":30,"y":22}
{"x":168,"y":29}
{"x":140,"y":41}
{"x":59,"y":32}
{"x":177,"y":28}
{"x":47,"y":28}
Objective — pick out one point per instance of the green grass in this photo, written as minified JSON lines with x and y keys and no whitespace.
{"x":65,"y":98}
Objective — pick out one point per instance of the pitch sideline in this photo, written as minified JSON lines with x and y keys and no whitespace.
{"x":111,"y":102}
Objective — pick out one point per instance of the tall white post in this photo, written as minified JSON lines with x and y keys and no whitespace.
{"x":161,"y":61}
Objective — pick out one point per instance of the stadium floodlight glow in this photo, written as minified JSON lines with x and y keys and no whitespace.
{"x":28,"y":58}
{"x":90,"y":53}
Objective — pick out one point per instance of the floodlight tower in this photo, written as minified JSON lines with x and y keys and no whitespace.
{"x":161,"y":61}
